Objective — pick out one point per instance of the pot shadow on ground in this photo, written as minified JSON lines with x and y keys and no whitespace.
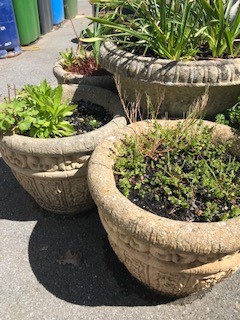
{"x":15,"y":203}
{"x":73,"y":260}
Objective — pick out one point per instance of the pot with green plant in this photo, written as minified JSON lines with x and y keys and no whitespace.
{"x":81,"y":66}
{"x":230,"y":117}
{"x":47,"y":142}
{"x":173,"y":51}
{"x":168,"y":193}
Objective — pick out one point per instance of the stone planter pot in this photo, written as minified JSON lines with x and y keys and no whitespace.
{"x":176,"y":85}
{"x":173,"y":257}
{"x":54,"y":171}
{"x":65,"y":77}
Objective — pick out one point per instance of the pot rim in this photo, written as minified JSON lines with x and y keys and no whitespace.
{"x":200,"y":238}
{"x":215,"y":71}
{"x":59,"y":71}
{"x":78,"y":143}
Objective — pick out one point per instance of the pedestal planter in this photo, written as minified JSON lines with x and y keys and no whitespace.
{"x":65,"y":77}
{"x":173,"y":257}
{"x":175,"y":84}
{"x":54,"y":170}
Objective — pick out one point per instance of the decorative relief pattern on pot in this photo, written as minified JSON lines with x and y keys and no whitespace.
{"x":163,"y":269}
{"x":44,"y":163}
{"x":187,"y":283}
{"x":58,"y":195}
{"x":157,"y":253}
{"x":136,"y":267}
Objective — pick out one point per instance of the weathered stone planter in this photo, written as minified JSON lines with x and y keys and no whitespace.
{"x":175,"y":84}
{"x":54,"y":171}
{"x":65,"y":77}
{"x":175,"y":258}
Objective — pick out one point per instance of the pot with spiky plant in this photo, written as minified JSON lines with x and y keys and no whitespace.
{"x":174,"y":51}
{"x":168,"y":193}
{"x":41,"y":145}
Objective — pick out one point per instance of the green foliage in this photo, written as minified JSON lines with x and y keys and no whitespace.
{"x":219,"y":30}
{"x":231,"y":116}
{"x":93,"y":36}
{"x":183,"y":168}
{"x":37,"y":111}
{"x":68,"y":58}
{"x":94,"y":123}
{"x":173,"y":29}
{"x":89,"y":43}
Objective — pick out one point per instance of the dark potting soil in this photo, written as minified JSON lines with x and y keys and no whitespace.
{"x":88,"y":116}
{"x":164,"y":208}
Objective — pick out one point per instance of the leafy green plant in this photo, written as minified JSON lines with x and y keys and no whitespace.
{"x":86,"y":50}
{"x":231,"y":116}
{"x":94,"y":123}
{"x":82,"y":61}
{"x":68,"y":58}
{"x":95,"y":32}
{"x":180,"y":172}
{"x":219,"y":30}
{"x":173,"y":29}
{"x":37,"y":111}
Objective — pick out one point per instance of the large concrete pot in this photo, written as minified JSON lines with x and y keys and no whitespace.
{"x":54,"y":171}
{"x":66,"y":77}
{"x":173,"y":257}
{"x":176,"y":85}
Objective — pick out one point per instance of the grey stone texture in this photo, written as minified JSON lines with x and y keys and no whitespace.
{"x":176,"y":86}
{"x":66,"y":77}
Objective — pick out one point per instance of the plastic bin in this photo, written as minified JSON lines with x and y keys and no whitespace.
{"x":27,"y":18}
{"x":9,"y":39}
{"x":45,"y":16}
{"x":70,"y":8}
{"x":57,"y":11}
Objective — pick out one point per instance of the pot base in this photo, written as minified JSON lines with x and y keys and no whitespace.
{"x":172,"y":274}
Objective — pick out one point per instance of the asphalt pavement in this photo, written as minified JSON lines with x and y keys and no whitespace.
{"x":54,"y":267}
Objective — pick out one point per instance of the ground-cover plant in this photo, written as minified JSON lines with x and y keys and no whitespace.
{"x":180,"y":173}
{"x":172,"y":29}
{"x":231,"y":116}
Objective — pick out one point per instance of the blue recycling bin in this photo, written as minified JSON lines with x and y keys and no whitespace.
{"x":57,"y":11}
{"x":9,"y":38}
